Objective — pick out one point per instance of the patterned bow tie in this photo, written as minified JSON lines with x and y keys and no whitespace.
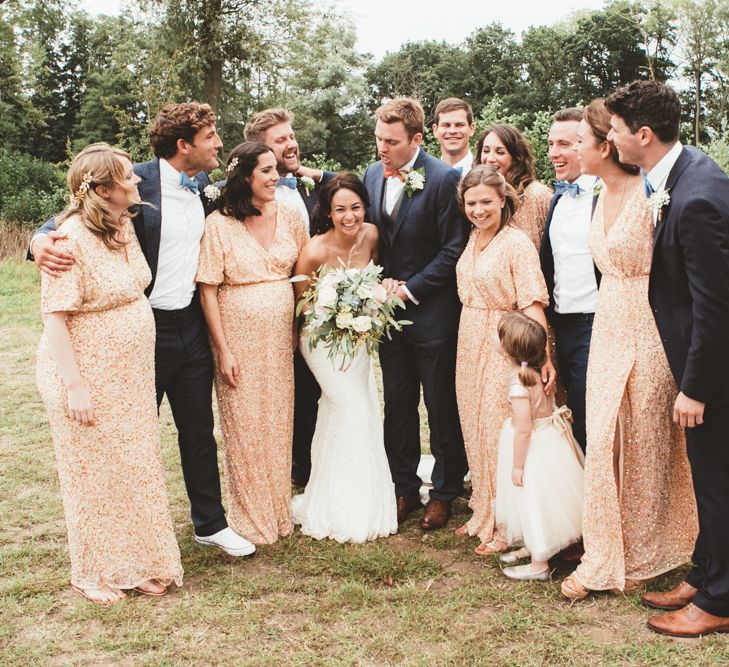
{"x":396,"y":173}
{"x":288,"y":181}
{"x":188,"y":183}
{"x":649,"y":189}
{"x":563,"y":186}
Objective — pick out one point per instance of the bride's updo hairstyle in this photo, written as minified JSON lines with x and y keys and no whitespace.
{"x":524,"y":340}
{"x":236,"y":196}
{"x":597,"y":117}
{"x":484,"y":175}
{"x":345,"y":180}
{"x":96,"y":165}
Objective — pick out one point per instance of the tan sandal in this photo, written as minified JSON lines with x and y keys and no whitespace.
{"x":84,"y":593}
{"x":493,"y":547}
{"x":573,"y":589}
{"x":631,"y":586}
{"x":154,"y":594}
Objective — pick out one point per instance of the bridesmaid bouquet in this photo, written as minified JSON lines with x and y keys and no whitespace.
{"x":347,"y":308}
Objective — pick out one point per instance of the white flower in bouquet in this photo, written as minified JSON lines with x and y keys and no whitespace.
{"x":344,"y":320}
{"x":362,"y":323}
{"x":379,"y":293}
{"x":327,"y":296}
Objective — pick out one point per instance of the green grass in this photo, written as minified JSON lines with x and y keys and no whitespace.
{"x":414,"y":599}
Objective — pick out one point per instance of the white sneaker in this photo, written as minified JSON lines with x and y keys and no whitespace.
{"x":229,"y":541}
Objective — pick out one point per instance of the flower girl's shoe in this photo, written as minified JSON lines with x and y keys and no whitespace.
{"x":513,"y":556}
{"x":524,"y":573}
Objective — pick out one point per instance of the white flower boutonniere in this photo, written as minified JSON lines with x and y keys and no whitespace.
{"x":414,"y":181}
{"x":308,"y":183}
{"x":658,"y":201}
{"x":212,"y":192}
{"x":597,"y":188}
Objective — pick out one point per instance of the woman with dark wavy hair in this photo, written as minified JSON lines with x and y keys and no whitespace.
{"x":350,"y":496}
{"x":247,"y":254}
{"x":505,"y":149}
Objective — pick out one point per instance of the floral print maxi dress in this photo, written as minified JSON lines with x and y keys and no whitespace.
{"x":112,"y":481}
{"x":645,"y":524}
{"x":504,"y":276}
{"x":256,"y":301}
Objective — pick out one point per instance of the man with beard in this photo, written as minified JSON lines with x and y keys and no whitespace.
{"x":299,"y":186}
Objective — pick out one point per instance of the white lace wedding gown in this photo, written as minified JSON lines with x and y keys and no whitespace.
{"x":350,"y":496}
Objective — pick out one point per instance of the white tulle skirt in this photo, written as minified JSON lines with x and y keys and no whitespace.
{"x":350,"y":496}
{"x":545,"y":514}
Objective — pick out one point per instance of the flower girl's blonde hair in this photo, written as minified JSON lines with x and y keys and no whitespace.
{"x":524,"y":340}
{"x":96,"y":165}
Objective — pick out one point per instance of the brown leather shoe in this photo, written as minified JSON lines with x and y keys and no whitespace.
{"x":675,"y":599}
{"x":406,"y":505}
{"x":690,"y":621}
{"x":437,"y":513}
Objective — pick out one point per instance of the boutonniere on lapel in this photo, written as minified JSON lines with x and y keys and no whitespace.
{"x":414,"y":180}
{"x":212,"y":192}
{"x":658,"y":201}
{"x":307,"y":183}
{"x":597,"y":188}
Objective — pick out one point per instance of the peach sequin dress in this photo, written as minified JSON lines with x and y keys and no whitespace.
{"x":112,"y":481}
{"x":648,"y":525}
{"x":532,"y":212}
{"x":256,"y":301}
{"x":505,"y":276}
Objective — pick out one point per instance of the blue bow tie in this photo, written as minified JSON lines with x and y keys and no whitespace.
{"x":291,"y":182}
{"x":649,"y":189}
{"x":563,"y":186}
{"x":188,"y":183}
{"x":459,"y":170}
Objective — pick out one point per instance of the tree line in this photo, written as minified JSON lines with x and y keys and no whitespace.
{"x":70,"y":78}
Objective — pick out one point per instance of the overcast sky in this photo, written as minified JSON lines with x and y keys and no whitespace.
{"x":383,"y":25}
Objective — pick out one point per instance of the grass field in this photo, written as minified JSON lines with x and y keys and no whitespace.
{"x":413,"y":599}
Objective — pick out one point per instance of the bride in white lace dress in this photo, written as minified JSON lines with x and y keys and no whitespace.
{"x":350,"y":496}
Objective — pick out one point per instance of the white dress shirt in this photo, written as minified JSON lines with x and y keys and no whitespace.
{"x":658,"y":176}
{"x":464,"y":165}
{"x":293,"y":196}
{"x":575,"y":285}
{"x":182,"y":225}
{"x":394,"y":187}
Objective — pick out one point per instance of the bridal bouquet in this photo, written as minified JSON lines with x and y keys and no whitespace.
{"x":347,"y":308}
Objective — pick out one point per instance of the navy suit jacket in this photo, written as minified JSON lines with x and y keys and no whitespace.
{"x":689,"y":279}
{"x":429,"y":236}
{"x":546,"y":257}
{"x":148,"y":221}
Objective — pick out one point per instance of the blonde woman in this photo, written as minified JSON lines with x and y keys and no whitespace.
{"x":95,"y":373}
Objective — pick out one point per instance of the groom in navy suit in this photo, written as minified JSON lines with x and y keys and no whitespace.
{"x":185,"y":143}
{"x":689,"y":295}
{"x":422,"y":235}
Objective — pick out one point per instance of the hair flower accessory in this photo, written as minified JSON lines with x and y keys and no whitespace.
{"x":86,"y":180}
{"x":212,"y":192}
{"x":658,"y":200}
{"x":308,"y":183}
{"x":231,"y":165}
{"x":524,"y":363}
{"x":414,"y":181}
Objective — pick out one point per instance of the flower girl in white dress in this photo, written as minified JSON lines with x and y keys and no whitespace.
{"x":539,"y":475}
{"x":350,"y":496}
